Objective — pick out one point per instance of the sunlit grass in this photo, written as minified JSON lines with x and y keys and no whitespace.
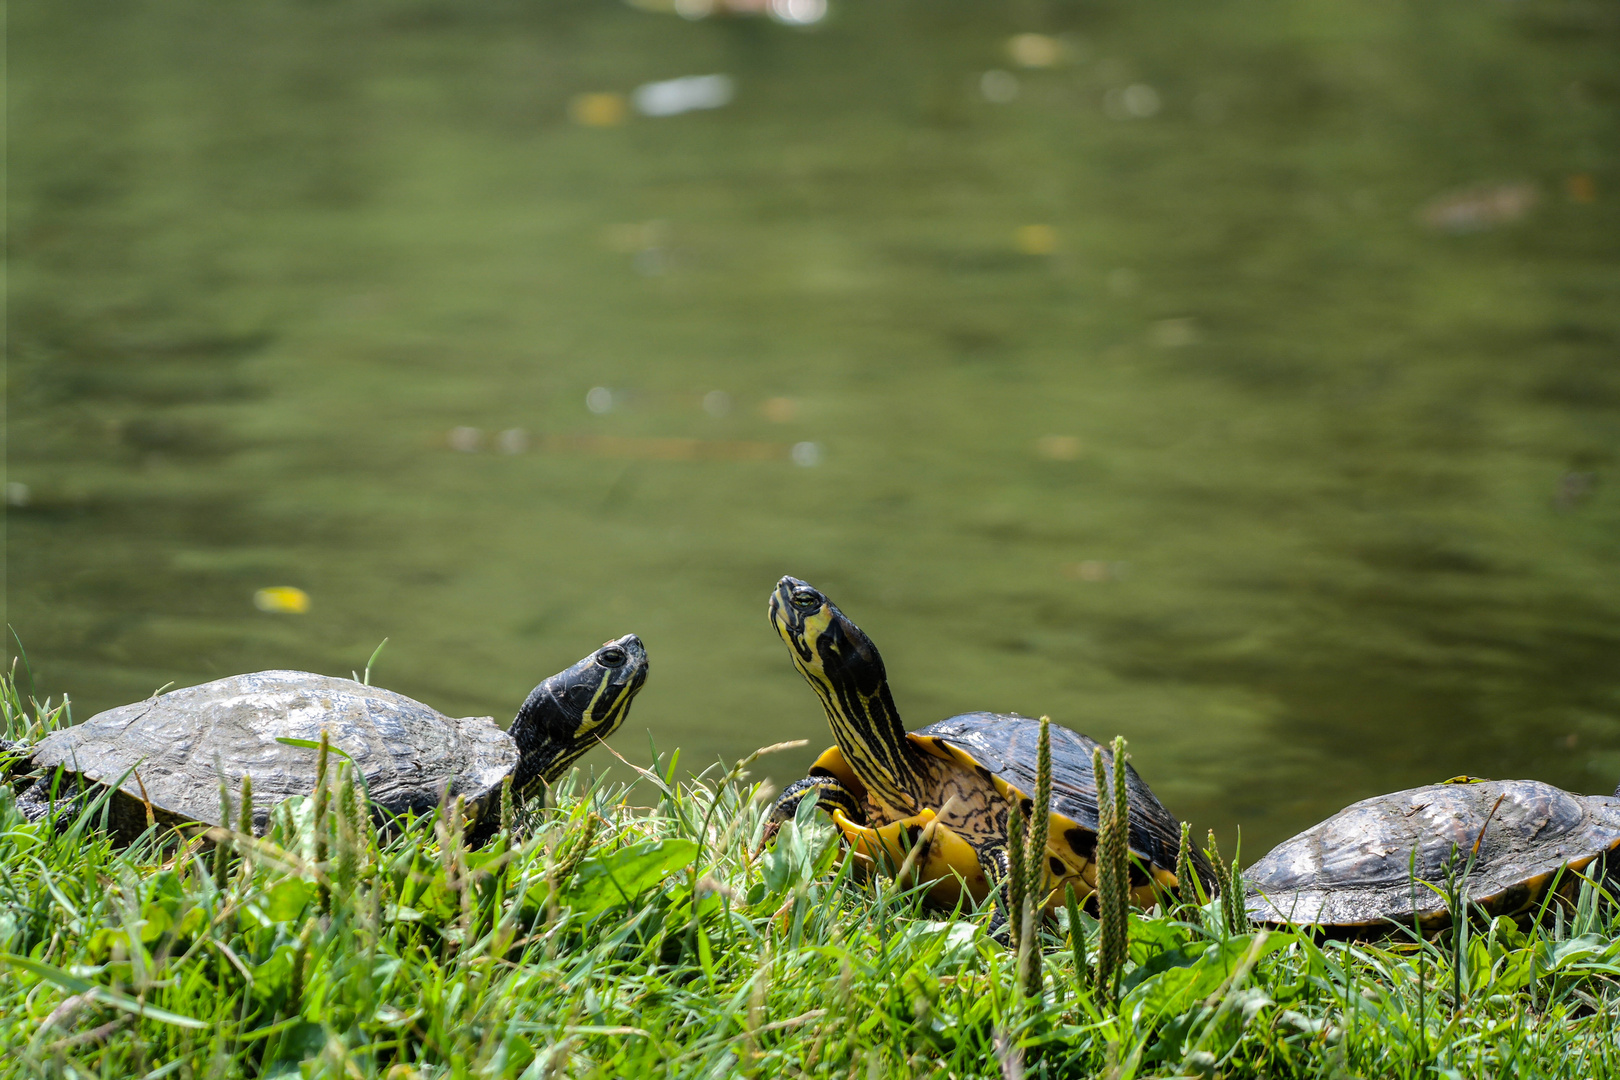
{"x":629,"y":930}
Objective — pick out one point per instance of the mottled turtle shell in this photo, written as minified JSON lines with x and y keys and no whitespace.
{"x":1005,"y":746}
{"x":175,"y":747}
{"x":1355,"y":871}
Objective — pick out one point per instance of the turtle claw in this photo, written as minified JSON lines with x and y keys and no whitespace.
{"x":771,"y":829}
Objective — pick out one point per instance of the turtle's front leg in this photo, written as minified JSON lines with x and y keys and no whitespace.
{"x":13,"y":759}
{"x":997,"y":868}
{"x":36,"y":802}
{"x":831,"y":793}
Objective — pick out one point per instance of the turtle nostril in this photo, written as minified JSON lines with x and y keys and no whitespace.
{"x":614,"y":657}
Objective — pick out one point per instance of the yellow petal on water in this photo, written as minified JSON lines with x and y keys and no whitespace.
{"x":1036,"y":239}
{"x":604,"y":109}
{"x":282,"y":599}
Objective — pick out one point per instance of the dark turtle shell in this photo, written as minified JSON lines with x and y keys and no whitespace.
{"x":1364,"y":868}
{"x":1004,"y":745}
{"x":171,"y":750}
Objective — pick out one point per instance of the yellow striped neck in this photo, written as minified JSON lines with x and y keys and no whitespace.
{"x":867,"y":727}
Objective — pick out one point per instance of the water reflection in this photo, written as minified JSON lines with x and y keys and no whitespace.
{"x":1094,"y":355}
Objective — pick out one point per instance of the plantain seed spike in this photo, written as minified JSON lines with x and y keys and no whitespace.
{"x":1237,"y":916}
{"x":348,"y":836}
{"x":1040,"y":826}
{"x":1184,"y":868}
{"x":321,"y":794}
{"x":508,"y":810}
{"x":1113,"y":871}
{"x":1105,"y":871}
{"x":1040,"y":823}
{"x":1015,"y":874}
{"x":1119,"y":850}
{"x":244,"y":824}
{"x":323,"y":888}
{"x":222,"y":848}
{"x":1077,"y":934}
{"x":1223,"y":878}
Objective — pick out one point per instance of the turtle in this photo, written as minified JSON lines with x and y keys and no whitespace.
{"x":1367,"y":870}
{"x":170,"y":752}
{"x":944,"y":790}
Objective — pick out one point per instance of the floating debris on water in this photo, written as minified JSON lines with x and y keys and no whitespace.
{"x":1035,"y":239}
{"x":780,"y":410}
{"x":790,"y":12}
{"x":717,"y":403}
{"x":1138,"y":101}
{"x":599,"y":399}
{"x":998,"y":87}
{"x":1174,"y":333}
{"x":17,"y":493}
{"x":1058,"y":447}
{"x":1095,"y":570}
{"x":630,"y":237}
{"x":602,"y":109}
{"x":1034,"y":50}
{"x":519,"y":440}
{"x":1573,"y":489}
{"x":1124,"y":282}
{"x":645,"y":241}
{"x":468,"y":440}
{"x":799,"y":12}
{"x":673,"y":449}
{"x":1479,"y":208}
{"x":282,"y":600}
{"x":689,"y":93}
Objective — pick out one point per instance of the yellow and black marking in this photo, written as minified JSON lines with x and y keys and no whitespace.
{"x":574,"y":710}
{"x":899,"y":795}
{"x":605,"y":711}
{"x":977,"y":818}
{"x":844,"y":669}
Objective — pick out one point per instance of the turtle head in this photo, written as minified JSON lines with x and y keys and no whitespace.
{"x":574,"y":709}
{"x":826,"y":646}
{"x":842,"y":665}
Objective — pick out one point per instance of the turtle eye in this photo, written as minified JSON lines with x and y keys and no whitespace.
{"x":611,"y":657}
{"x":805,"y":600}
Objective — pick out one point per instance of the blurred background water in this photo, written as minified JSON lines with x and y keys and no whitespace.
{"x":1239,"y":377}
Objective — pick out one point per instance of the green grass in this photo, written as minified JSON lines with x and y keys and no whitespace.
{"x":627,"y":931}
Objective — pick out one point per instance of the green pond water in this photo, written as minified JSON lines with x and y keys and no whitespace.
{"x":1245,"y":381}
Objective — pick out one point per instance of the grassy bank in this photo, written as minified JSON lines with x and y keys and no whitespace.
{"x":627,"y":931}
